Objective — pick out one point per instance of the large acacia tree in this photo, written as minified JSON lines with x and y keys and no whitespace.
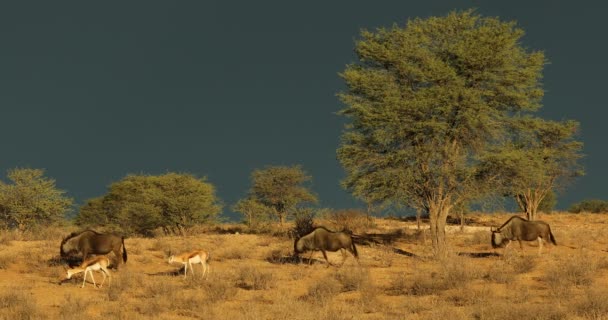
{"x":426,"y":102}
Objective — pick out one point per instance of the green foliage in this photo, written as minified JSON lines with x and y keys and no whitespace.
{"x":548,"y":203}
{"x":138,"y":204}
{"x":281,"y":189}
{"x":591,"y":205}
{"x":539,"y":156}
{"x":255,"y":212}
{"x":425,"y":102}
{"x":31,"y":200}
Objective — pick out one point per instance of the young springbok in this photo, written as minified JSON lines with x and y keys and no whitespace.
{"x":98,"y":263}
{"x":188,"y":258}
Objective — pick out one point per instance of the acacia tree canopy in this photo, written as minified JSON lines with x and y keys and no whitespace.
{"x":141,"y":203}
{"x":281,"y":189}
{"x":426,"y":101}
{"x":31,"y":199}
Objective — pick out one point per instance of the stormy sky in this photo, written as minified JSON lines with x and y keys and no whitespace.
{"x":93,"y":91}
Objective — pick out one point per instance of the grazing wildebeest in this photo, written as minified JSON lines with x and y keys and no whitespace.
{"x":91,"y":242}
{"x":517,"y":228}
{"x":325,"y":240}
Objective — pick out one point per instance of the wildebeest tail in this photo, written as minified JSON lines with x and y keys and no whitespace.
{"x":124,"y":250}
{"x":354,"y":248}
{"x":552,"y":237}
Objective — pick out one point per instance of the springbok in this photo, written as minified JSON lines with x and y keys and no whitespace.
{"x":98,"y":263}
{"x":188,"y":258}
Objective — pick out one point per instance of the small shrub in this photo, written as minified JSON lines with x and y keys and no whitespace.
{"x":478,"y":238}
{"x":522,"y":264}
{"x":350,"y":219}
{"x":322,"y":292}
{"x":234,"y":253}
{"x":218,"y":291}
{"x":251,"y":278}
{"x":569,"y":272}
{"x":595,"y":304}
{"x":18,"y":305}
{"x":73,"y":307}
{"x":304,"y":223}
{"x":399,"y":285}
{"x":352,"y":279}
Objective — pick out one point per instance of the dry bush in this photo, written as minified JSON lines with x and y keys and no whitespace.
{"x":74,"y":307}
{"x":7,"y":258}
{"x":570,"y":271}
{"x":522,"y":264}
{"x":219,"y":290}
{"x":500,"y":272}
{"x":52,"y":232}
{"x":15,"y":304}
{"x":123,"y":282}
{"x":352,"y":279}
{"x":159,"y":244}
{"x":384,"y":256}
{"x":349,"y":219}
{"x":499,"y":309}
{"x":399,"y":285}
{"x":594,"y":305}
{"x":252,"y":278}
{"x":323,"y":291}
{"x":457,"y":271}
{"x":478,"y":238}
{"x":279,"y":256}
{"x":468,"y":297}
{"x":159,"y":287}
{"x":303,"y":224}
{"x":235,"y":252}
{"x":152,"y":307}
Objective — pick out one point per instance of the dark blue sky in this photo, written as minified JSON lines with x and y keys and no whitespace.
{"x":93,"y":91}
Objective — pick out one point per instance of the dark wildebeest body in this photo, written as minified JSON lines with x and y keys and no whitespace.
{"x":325,"y":240}
{"x":520,"y":229}
{"x":91,"y":242}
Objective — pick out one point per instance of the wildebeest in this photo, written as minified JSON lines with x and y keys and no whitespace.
{"x":325,"y":240}
{"x":91,"y":242}
{"x":517,"y":228}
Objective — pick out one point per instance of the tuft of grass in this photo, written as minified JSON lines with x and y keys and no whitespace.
{"x":594,"y":305}
{"x":569,"y":272}
{"x":323,"y":291}
{"x":251,"y":278}
{"x":478,"y":238}
{"x":218,"y":291}
{"x":352,"y":279}
{"x":74,"y":307}
{"x":18,"y":305}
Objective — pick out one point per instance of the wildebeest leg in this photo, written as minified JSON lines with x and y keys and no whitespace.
{"x":310,"y":258}
{"x":325,"y":256}
{"x":540,"y":245}
{"x":117,"y":254}
{"x":521,"y":246}
{"x":344,"y":256}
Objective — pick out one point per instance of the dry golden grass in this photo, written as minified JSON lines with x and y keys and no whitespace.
{"x":254,"y":276}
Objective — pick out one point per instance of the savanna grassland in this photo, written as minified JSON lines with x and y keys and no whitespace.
{"x":253,"y":276}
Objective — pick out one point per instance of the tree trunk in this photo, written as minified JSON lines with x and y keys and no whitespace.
{"x":438,"y":216}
